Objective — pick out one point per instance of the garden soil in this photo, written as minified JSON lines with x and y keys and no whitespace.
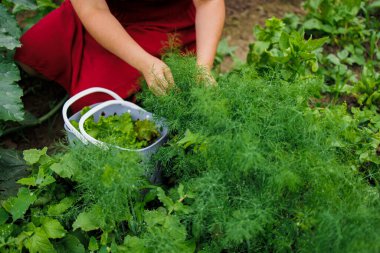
{"x":242,"y":16}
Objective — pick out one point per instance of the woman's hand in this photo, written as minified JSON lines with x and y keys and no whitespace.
{"x":205,"y":76}
{"x":158,"y":76}
{"x":109,"y":33}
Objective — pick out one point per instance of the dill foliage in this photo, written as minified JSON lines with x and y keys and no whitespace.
{"x":264,"y":166}
{"x":109,"y":183}
{"x":116,"y":200}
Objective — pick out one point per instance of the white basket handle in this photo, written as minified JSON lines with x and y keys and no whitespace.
{"x":97,"y":108}
{"x":74,"y":98}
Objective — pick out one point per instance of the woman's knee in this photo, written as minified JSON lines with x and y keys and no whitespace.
{"x":30,"y":71}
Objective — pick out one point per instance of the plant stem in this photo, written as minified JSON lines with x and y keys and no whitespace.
{"x":39,"y":120}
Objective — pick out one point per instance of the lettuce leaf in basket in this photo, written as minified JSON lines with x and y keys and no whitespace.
{"x":146,"y":130}
{"x":117,"y":129}
{"x":122,"y":131}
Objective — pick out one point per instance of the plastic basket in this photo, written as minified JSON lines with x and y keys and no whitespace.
{"x":111,"y":107}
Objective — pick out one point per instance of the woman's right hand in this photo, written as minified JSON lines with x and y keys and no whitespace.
{"x":158,"y":76}
{"x":109,"y":33}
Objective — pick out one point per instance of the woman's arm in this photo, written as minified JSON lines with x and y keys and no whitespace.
{"x":209,"y":22}
{"x":109,"y":33}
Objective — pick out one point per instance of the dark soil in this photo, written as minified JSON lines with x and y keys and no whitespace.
{"x":40,"y":95}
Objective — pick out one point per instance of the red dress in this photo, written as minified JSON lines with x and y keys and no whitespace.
{"x":60,"y":49}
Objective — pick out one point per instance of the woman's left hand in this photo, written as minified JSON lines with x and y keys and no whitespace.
{"x":205,"y":76}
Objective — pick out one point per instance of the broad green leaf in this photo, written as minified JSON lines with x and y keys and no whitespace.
{"x":93,"y":244}
{"x":43,"y":4}
{"x":66,"y":167}
{"x":53,"y":228}
{"x":134,"y":244}
{"x":103,"y":249}
{"x":307,"y":56}
{"x":374,"y":5}
{"x":313,"y":24}
{"x":284,"y":41}
{"x":5,"y":231}
{"x":190,"y":139}
{"x":104,"y":238}
{"x":70,"y":244}
{"x":17,"y":206}
{"x":179,"y":207}
{"x":279,"y":56}
{"x":9,"y":42}
{"x":22,"y":236}
{"x":47,"y":180}
{"x":168,"y":202}
{"x":314,"y":4}
{"x":316,"y":43}
{"x":62,"y":170}
{"x":24,"y":5}
{"x":13,"y":168}
{"x":342,"y":54}
{"x":259,"y":47}
{"x":30,"y":181}
{"x":114,"y":246}
{"x":274,"y":24}
{"x":146,"y":130}
{"x":333,"y":59}
{"x":314,"y":66}
{"x":90,"y":220}
{"x":11,"y":107}
{"x":169,"y":226}
{"x":61,"y":207}
{"x":180,"y":191}
{"x":152,"y":218}
{"x":9,"y":74}
{"x":224,"y":49}
{"x":32,"y":156}
{"x":39,"y":242}
{"x":8,"y":24}
{"x":357,"y":58}
{"x":3,"y":216}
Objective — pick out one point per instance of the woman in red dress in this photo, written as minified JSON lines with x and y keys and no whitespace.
{"x":111,"y":43}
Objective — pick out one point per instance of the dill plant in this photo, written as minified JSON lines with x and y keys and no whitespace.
{"x":263,"y":165}
{"x":111,"y":181}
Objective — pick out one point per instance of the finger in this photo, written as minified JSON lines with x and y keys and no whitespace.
{"x":156,"y":83}
{"x":169,"y":77}
{"x":212,"y":80}
{"x":155,"y":88}
{"x":161,"y":83}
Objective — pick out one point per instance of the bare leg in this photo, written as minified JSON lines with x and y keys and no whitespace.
{"x":31,"y":71}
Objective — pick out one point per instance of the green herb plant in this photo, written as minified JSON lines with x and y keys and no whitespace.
{"x":87,"y":200}
{"x":277,"y":45}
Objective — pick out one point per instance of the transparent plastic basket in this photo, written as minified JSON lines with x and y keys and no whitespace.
{"x":116,"y":106}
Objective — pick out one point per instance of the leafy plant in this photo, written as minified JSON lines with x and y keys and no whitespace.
{"x":39,"y":8}
{"x":11,"y":108}
{"x":275,"y":44}
{"x":88,"y":199}
{"x":121,"y":130}
{"x":338,"y":19}
{"x":367,"y":88}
